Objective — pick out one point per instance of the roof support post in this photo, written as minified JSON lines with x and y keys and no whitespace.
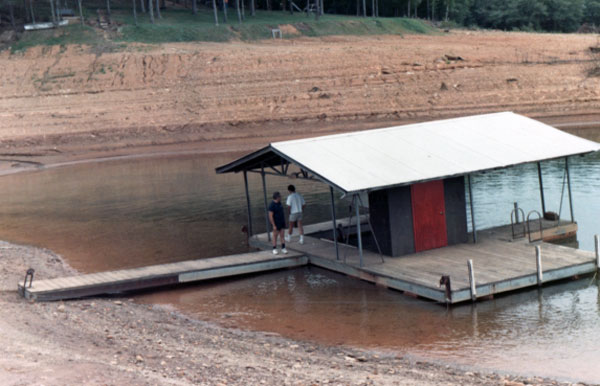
{"x":473,"y":229}
{"x":335,"y":239}
{"x":264,"y":184}
{"x":358,"y":231}
{"x":569,"y":188}
{"x":539,"y":167}
{"x":248,"y":204}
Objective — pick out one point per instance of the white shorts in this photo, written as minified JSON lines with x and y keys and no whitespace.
{"x":296,"y":216}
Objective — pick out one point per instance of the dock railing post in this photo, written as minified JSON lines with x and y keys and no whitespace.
{"x":358,"y":231}
{"x":538,"y":265}
{"x":569,"y":188}
{"x":335,"y":239}
{"x":264,"y":184}
{"x":472,"y":280}
{"x":539,"y":167}
{"x":473,"y":228}
{"x":597,"y":251}
{"x":248,"y":204}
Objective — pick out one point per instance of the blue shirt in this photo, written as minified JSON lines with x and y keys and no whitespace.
{"x":278,"y":215}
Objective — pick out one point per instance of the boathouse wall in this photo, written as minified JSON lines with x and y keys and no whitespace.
{"x":392,"y":218}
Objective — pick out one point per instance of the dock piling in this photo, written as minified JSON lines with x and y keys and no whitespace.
{"x":472,"y":280}
{"x":538,"y":264}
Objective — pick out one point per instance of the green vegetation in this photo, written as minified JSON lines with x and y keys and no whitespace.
{"x":73,"y":34}
{"x":181,"y":25}
{"x":178,"y":23}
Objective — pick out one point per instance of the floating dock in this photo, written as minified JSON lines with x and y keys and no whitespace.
{"x":158,"y":275}
{"x":499,"y":263}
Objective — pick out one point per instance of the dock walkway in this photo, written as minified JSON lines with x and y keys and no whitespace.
{"x":158,"y":275}
{"x":500,"y":264}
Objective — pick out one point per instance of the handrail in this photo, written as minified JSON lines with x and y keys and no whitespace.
{"x":540,"y":222}
{"x":515,"y":212}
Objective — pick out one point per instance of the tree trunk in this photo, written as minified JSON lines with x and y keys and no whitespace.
{"x":11,"y":11}
{"x":243,"y":10}
{"x":57,"y":9}
{"x":284,"y":5}
{"x":224,"y":11}
{"x":134,"y":12}
{"x":372,"y":8}
{"x":428,"y":11}
{"x":108,"y":11}
{"x":239,"y":12}
{"x":32,"y":13}
{"x":52,"y":12}
{"x":151,"y":9}
{"x":416,"y":5}
{"x":194,"y":7}
{"x":322,"y":7}
{"x":215,"y":12}
{"x":357,"y":7}
{"x":376,"y":8}
{"x":408,"y":9}
{"x":158,"y":9}
{"x":364,"y":8}
{"x":142,"y":2}
{"x":27,"y":14}
{"x":81,"y":11}
{"x":447,"y":10}
{"x":318,"y":10}
{"x":252,"y":8}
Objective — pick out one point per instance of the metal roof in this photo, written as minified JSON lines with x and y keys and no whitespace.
{"x":401,"y":155}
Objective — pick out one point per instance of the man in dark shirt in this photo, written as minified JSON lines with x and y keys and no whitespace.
{"x":277,"y":219}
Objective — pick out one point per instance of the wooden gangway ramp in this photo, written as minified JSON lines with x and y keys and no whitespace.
{"x":158,"y":275}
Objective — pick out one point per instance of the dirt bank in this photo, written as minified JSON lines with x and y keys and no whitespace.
{"x":119,"y":342}
{"x":57,"y":100}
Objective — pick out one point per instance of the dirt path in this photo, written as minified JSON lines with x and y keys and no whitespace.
{"x":119,"y":342}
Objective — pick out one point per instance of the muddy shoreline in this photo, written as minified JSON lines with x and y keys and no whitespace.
{"x":118,"y":341}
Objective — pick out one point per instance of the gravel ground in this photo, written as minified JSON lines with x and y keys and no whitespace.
{"x":116,"y":341}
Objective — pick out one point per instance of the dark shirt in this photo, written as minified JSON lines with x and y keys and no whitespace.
{"x":278,"y":215}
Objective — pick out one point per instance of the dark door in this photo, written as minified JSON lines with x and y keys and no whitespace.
{"x":429,"y":215}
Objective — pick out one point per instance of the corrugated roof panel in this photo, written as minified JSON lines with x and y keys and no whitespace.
{"x":394,"y":156}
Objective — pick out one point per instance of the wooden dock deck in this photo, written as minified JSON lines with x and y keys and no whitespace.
{"x":158,"y":275}
{"x":500,"y":264}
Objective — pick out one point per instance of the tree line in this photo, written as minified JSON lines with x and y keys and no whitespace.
{"x":535,"y":15}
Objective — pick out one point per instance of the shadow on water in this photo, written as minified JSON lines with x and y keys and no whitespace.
{"x":136,"y":212}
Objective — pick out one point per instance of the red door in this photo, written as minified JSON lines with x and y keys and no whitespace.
{"x":429,"y":215}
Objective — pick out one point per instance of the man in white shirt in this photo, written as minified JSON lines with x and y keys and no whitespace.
{"x":296,"y":204}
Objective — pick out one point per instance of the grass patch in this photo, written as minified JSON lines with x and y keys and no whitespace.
{"x":179,"y":25}
{"x":71,"y":34}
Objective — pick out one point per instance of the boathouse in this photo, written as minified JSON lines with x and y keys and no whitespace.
{"x":416,"y":176}
{"x":411,"y":194}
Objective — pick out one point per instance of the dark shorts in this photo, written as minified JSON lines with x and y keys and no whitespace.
{"x":280,"y":225}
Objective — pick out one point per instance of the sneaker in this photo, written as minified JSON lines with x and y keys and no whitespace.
{"x":287,"y":237}
{"x":275,"y":251}
{"x":301,"y":239}
{"x":284,"y":251}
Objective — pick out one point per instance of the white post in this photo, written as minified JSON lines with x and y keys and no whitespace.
{"x":597,"y":249}
{"x":472,"y":280}
{"x":538,"y":263}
